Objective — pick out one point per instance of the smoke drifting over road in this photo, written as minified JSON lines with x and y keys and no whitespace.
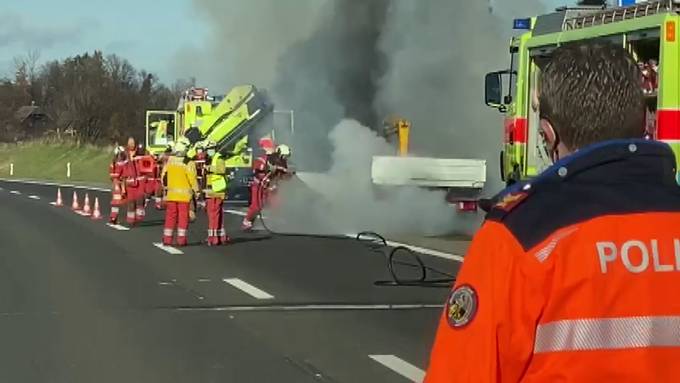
{"x":331,"y":60}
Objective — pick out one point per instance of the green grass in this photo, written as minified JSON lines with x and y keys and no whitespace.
{"x":47,"y":161}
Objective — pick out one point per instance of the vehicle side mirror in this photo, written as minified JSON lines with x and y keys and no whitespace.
{"x":493,"y":90}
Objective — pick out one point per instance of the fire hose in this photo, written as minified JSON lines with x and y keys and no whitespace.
{"x":377,"y":244}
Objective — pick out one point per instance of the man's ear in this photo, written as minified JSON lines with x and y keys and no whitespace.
{"x":548,"y":132}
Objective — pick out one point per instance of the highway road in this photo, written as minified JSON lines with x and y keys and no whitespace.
{"x":81,"y":301}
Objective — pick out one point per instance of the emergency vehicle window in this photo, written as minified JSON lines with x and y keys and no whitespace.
{"x":160,"y":129}
{"x":514,"y":67}
{"x":537,"y":159}
{"x":645,"y":46}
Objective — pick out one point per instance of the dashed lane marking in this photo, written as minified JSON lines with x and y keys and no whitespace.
{"x":81,"y":187}
{"x":248,"y":288}
{"x":117,"y":227}
{"x":400,"y":366}
{"x":168,"y":249}
{"x":34,"y":197}
{"x":15,"y":192}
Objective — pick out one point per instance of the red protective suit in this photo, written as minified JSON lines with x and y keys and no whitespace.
{"x":176,"y":213}
{"x":216,"y":233}
{"x":134,"y":192}
{"x":258,"y":195}
{"x":279,"y":172}
{"x":117,"y":198}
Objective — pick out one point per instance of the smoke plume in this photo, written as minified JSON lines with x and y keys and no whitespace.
{"x":343,"y":65}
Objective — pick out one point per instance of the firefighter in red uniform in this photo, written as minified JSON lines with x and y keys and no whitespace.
{"x":117,"y":186}
{"x":257,"y":188}
{"x":279,"y":171}
{"x":134,"y":188}
{"x":574,"y":276}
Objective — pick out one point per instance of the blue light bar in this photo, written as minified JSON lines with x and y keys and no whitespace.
{"x":521,"y":24}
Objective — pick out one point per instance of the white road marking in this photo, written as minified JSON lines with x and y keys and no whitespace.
{"x":203,"y":280}
{"x":248,"y":288}
{"x":401,"y":367}
{"x":15,"y":192}
{"x":80,"y":212}
{"x":421,"y":250}
{"x":168,"y":249}
{"x":44,"y":183}
{"x":328,"y":307}
{"x":117,"y":227}
{"x":33,"y":197}
{"x":235,"y":212}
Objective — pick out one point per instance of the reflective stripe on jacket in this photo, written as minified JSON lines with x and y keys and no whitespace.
{"x":181,"y":179}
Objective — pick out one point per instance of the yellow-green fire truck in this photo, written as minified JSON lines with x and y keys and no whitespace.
{"x":649,"y":30}
{"x":235,"y":122}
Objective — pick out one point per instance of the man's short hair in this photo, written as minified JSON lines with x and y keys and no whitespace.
{"x":592,"y":92}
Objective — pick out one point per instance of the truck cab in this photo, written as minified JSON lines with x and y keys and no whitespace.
{"x":648,"y":30}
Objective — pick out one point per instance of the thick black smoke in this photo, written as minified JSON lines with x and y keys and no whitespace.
{"x":334,"y":74}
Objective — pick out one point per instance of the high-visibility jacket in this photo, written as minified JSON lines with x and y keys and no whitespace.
{"x":216,"y":184}
{"x":574,"y":277}
{"x":180,"y":179}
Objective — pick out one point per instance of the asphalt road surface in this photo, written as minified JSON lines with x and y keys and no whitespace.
{"x":81,"y":301}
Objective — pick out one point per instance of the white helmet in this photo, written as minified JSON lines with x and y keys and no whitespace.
{"x":283,"y":150}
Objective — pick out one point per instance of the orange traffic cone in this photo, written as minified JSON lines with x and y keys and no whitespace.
{"x":96,"y":214}
{"x":59,"y":202}
{"x":86,"y":205}
{"x":74,"y":205}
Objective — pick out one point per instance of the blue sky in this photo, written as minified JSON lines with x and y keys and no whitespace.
{"x":148,"y":33}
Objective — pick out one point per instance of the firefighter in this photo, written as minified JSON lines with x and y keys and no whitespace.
{"x":145,"y":169}
{"x":257,"y":188}
{"x":160,"y":165}
{"x":117,"y":186}
{"x":278,"y":165}
{"x":134,"y":191}
{"x":131,"y":148}
{"x":215,"y":192}
{"x":180,"y":180}
{"x":573,"y":277}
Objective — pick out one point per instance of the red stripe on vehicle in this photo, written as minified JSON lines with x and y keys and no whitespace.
{"x":668,"y":124}
{"x":516,"y":130}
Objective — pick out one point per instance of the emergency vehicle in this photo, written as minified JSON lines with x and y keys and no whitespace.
{"x":234,"y":121}
{"x":648,"y":30}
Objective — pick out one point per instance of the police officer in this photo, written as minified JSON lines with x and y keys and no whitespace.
{"x":574,"y":276}
{"x":216,"y":187}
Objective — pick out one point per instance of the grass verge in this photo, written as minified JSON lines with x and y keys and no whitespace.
{"x":48,"y":161}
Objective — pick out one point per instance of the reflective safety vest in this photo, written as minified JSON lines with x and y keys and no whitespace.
{"x":217,"y":182}
{"x":574,"y":277}
{"x":180,"y":179}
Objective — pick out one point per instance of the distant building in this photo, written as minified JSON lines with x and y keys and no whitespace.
{"x":32,"y":119}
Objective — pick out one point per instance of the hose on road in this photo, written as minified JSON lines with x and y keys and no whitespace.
{"x":426,"y":276}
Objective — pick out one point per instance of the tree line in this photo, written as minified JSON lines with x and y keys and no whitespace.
{"x":91,"y":97}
